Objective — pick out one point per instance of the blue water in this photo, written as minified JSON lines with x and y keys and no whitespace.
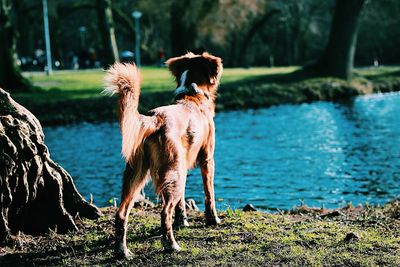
{"x":322,"y":154}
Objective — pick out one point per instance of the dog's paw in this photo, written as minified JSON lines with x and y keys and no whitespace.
{"x":185,"y":223}
{"x":181,"y":223}
{"x":170,"y":247}
{"x":212,"y":220}
{"x":124,"y":254}
{"x":176,"y":247}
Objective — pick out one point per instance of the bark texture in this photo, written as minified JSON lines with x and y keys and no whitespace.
{"x":36,"y":194}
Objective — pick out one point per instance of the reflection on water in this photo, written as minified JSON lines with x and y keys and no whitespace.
{"x":321,"y":153}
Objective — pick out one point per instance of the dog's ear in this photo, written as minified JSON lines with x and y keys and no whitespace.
{"x":214,"y":67}
{"x":177,"y":65}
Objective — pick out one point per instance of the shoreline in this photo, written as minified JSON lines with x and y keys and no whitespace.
{"x":246,"y":94}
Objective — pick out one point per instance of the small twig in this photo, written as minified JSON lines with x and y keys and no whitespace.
{"x":280,"y":211}
{"x":73,"y":252}
{"x":154,"y":237}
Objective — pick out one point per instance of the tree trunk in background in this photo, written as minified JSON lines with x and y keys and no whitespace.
{"x":256,"y":27}
{"x":183,"y":33}
{"x":35,"y":192}
{"x":337,"y":59}
{"x":185,"y":17}
{"x":10,"y":74}
{"x":107,"y":31}
{"x":25,"y":38}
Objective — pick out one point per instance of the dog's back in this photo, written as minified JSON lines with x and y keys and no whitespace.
{"x":185,"y":132}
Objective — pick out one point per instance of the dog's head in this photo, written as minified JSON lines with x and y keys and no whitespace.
{"x":203,"y":71}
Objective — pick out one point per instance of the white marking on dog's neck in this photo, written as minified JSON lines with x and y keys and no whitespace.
{"x":182,"y":88}
{"x":192,"y":89}
{"x":183,"y":78}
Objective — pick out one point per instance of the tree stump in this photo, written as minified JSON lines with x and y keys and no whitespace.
{"x":36,"y":194}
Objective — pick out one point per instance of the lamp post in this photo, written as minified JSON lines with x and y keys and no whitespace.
{"x":82,"y":33}
{"x":137,"y":15}
{"x":49,"y":68}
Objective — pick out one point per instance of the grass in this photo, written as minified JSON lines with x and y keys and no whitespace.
{"x":88,"y":83}
{"x":354,"y":236}
{"x":154,"y":78}
{"x":371,"y":72}
{"x":83,"y":84}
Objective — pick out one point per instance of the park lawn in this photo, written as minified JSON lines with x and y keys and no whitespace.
{"x":350,"y":236}
{"x":68,"y":84}
{"x":83,"y":84}
{"x":372,"y":72}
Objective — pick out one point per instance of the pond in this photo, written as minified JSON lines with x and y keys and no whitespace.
{"x":323,"y":154}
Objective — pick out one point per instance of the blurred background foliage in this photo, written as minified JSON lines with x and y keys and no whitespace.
{"x":243,"y":32}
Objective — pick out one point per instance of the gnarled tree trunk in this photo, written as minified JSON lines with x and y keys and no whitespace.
{"x":35,"y":192}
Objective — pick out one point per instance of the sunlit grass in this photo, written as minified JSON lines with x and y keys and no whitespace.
{"x":154,"y":79}
{"x":377,"y":71}
{"x":69,"y":84}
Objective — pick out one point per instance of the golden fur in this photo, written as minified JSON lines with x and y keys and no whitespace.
{"x":167,"y":141}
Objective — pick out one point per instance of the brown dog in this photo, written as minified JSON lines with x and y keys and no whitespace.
{"x":168,"y":141}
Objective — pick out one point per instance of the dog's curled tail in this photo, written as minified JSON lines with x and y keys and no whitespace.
{"x":124,"y":79}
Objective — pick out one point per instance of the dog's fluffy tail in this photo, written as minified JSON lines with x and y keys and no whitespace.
{"x":125,"y":79}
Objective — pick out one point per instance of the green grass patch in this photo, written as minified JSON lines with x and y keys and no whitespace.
{"x":82,"y":84}
{"x":154,"y":78}
{"x":86,"y":84}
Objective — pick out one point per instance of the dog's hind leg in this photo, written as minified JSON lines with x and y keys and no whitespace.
{"x":171,"y":193}
{"x":134,"y":181}
{"x":180,"y":209}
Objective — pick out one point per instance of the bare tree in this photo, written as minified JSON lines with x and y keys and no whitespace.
{"x":107,"y":31}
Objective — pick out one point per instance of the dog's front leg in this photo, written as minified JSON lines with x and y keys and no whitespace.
{"x":207,"y":172}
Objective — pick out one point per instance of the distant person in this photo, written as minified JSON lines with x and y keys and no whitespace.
{"x":39,"y":53}
{"x":72,"y":60}
{"x":75,"y":62}
{"x":92,"y":57}
{"x":161,"y":57}
{"x":376,"y":63}
{"x":39,"y":60}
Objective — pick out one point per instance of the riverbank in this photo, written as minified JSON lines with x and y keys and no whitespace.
{"x":240,"y":90}
{"x":350,"y":236}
